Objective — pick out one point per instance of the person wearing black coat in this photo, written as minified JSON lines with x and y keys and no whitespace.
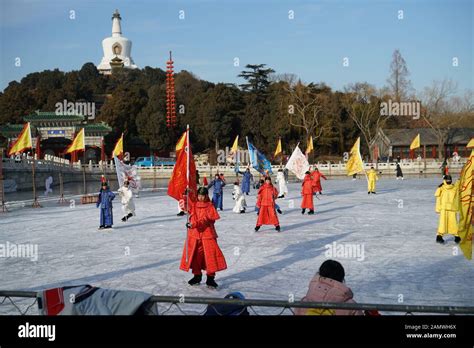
{"x":399,"y":172}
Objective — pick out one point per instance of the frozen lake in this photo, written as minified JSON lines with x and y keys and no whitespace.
{"x":395,"y":229}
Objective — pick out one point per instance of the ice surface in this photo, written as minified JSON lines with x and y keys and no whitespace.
{"x":396,"y":227}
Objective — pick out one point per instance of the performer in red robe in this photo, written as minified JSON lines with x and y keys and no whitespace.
{"x":307,"y":193}
{"x":267,"y":194}
{"x":203,"y":251}
{"x":317,"y":175}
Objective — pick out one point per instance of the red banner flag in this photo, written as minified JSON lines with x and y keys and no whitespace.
{"x":184,"y":171}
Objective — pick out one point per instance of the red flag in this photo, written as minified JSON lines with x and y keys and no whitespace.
{"x":179,"y":179}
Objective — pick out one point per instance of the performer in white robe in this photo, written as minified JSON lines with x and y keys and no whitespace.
{"x":239,"y":198}
{"x":282,"y":187}
{"x":128,"y":206}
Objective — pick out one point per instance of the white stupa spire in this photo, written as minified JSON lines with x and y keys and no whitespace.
{"x":116,"y":28}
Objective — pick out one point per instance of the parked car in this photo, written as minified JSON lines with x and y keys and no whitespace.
{"x":154,"y":161}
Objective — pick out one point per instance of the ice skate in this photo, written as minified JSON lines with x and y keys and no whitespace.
{"x":210,"y":282}
{"x":196,"y":280}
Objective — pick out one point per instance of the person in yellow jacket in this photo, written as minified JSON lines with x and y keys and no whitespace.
{"x":447,"y":206}
{"x":371,"y":179}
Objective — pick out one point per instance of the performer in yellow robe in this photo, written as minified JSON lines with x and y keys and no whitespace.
{"x":372,"y":178}
{"x":447,"y":206}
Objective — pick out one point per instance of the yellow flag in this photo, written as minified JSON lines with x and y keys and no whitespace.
{"x":235,"y":146}
{"x":354,"y":165}
{"x":23,"y":142}
{"x":466,"y":197}
{"x":181,"y":142}
{"x":415,"y":144}
{"x":309,"y":148}
{"x":470,"y":143}
{"x":78,"y":144}
{"x":278,"y":149}
{"x":118,"y":149}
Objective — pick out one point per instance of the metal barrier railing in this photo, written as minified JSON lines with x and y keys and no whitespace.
{"x":286,"y":305}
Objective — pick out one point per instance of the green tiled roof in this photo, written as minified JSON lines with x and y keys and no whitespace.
{"x":97,"y":127}
{"x":52,"y":116}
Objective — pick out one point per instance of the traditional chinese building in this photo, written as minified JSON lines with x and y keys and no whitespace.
{"x":395,"y":143}
{"x":56,"y":132}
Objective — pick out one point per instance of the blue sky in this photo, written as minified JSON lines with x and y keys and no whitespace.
{"x":214,"y":32}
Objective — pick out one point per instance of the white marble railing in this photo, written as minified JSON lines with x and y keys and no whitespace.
{"x":56,"y":163}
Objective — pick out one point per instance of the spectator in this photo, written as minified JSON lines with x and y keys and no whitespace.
{"x":228,"y":309}
{"x":328,"y":286}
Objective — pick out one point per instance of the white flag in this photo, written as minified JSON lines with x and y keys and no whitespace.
{"x":129,"y":173}
{"x":298,"y":164}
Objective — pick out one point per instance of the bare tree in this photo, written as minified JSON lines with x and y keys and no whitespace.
{"x":289,"y":78}
{"x":307,"y":110}
{"x":363,"y":106}
{"x":442,"y":110}
{"x":398,"y":81}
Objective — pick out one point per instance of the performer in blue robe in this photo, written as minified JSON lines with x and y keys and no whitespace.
{"x":247,"y":177}
{"x":217,"y":195}
{"x":105,"y":204}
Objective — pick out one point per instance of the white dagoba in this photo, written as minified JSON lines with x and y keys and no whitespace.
{"x":116,"y":49}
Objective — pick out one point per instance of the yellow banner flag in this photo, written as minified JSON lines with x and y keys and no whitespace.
{"x":354,"y":165}
{"x":278,"y":149}
{"x":78,"y":144}
{"x":466,"y":197}
{"x":310,"y":147}
{"x":181,"y":142}
{"x":23,"y":142}
{"x":235,"y":146}
{"x":470,"y":144}
{"x":118,"y":149}
{"x":415,"y":144}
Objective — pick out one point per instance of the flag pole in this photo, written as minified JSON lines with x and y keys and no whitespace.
{"x":187,"y":192}
{"x":360,"y":157}
{"x":33,"y":174}
{"x":2,"y":189}
{"x":61,"y":184}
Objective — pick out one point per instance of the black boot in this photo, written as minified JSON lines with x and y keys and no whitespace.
{"x":277,"y":228}
{"x":311,"y":212}
{"x":129,"y":215}
{"x":281,"y":196}
{"x":181,"y":213}
{"x":242,"y":212}
{"x":368,"y":193}
{"x":439,"y":239}
{"x":457,"y":239}
{"x":195,"y":280}
{"x":257,"y":228}
{"x":124,"y":219}
{"x":279,"y":211}
{"x":101,"y":227}
{"x":302,"y":211}
{"x":210,"y":282}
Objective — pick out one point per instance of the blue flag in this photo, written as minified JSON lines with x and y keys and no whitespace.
{"x":258,"y":160}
